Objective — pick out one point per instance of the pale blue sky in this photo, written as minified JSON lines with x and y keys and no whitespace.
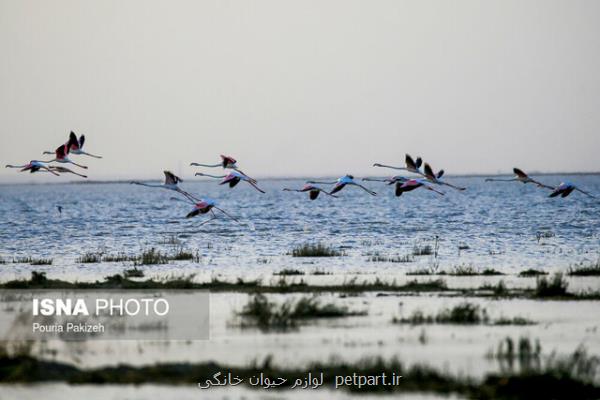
{"x":302,"y":87}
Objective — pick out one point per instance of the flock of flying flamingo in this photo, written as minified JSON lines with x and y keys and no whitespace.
{"x":424,"y":177}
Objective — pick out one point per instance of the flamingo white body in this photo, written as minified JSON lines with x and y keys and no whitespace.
{"x":340,"y":183}
{"x":410,"y":165}
{"x":227,"y":162}
{"x":412,"y":184}
{"x":61,"y":156}
{"x":33,"y":166}
{"x":565,"y":189}
{"x":232,"y":179}
{"x":313,"y":191}
{"x":436,"y":178}
{"x":520,"y":176}
{"x":171,"y":183}
{"x":75,"y":146}
{"x":204,"y":206}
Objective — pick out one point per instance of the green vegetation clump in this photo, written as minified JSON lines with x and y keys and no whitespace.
{"x":469,"y":270}
{"x":89,"y":258}
{"x":377,"y":257}
{"x":289,"y":272}
{"x":555,"y":287}
{"x":425,"y":250}
{"x":315,"y":250}
{"x":32,"y":261}
{"x":267,"y":315}
{"x":133,"y":273}
{"x":592,"y":269}
{"x":462,"y":314}
{"x":532,"y":272}
{"x":120,"y":257}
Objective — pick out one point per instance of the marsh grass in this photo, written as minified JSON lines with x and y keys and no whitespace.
{"x":499,"y":289}
{"x":315,"y":250}
{"x":119,"y":257}
{"x":464,"y":313}
{"x":89,"y":258}
{"x":321,"y":272}
{"x":591,"y":269}
{"x":133,"y":273}
{"x":554,"y":287}
{"x":32,"y":261}
{"x":425,"y":250}
{"x":266,"y":315}
{"x":376,"y":257}
{"x":288,"y":272}
{"x":181,"y":254}
{"x":154,"y":256}
{"x":532,"y":272}
{"x":469,"y":270}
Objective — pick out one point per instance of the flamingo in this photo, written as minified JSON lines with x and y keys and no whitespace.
{"x":411,"y":165}
{"x":227,"y":162}
{"x":33,"y":166}
{"x":342,"y":183}
{"x":75,"y":146}
{"x":313,"y":191}
{"x":204,"y":206}
{"x":171,"y":181}
{"x":412,"y":184}
{"x":61,"y":156}
{"x":565,"y":189}
{"x":520,"y":176}
{"x":435,"y":178}
{"x":233,"y":178}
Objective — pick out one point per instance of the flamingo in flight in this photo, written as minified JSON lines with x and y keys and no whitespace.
{"x":33,"y":166}
{"x":313,"y":191}
{"x":40,"y":166}
{"x":412,"y":184}
{"x":227,"y":162}
{"x":233,"y":178}
{"x":171,"y":181}
{"x":565,"y":189}
{"x":342,"y":182}
{"x":204,"y":206}
{"x":520,"y":176}
{"x":61,"y":156}
{"x":75,"y":146}
{"x":435,"y":178}
{"x":411,"y":165}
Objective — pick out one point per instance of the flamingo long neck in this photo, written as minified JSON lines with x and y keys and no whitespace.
{"x":206,"y":165}
{"x":392,"y":167}
{"x":213,"y":176}
{"x":90,"y":154}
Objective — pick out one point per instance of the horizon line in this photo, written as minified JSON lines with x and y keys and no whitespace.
{"x":286,"y":178}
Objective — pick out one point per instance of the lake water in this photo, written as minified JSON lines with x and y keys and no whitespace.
{"x":507,"y":226}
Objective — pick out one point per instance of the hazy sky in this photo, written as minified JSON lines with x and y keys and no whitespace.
{"x":304,"y":88}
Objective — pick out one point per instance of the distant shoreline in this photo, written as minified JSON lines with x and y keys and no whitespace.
{"x":274,"y":178}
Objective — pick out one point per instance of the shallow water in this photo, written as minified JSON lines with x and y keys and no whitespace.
{"x":508,"y":226}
